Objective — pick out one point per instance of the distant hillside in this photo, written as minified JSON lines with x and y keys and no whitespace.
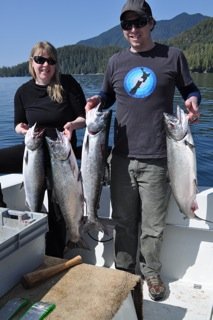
{"x":196,"y":42}
{"x":164,"y":30}
{"x":201,"y":33}
{"x":197,"y":45}
{"x":167,"y":29}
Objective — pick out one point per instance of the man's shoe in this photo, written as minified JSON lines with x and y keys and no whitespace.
{"x":157,"y":289}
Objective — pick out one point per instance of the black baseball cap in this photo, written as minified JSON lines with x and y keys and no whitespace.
{"x":141,"y":7}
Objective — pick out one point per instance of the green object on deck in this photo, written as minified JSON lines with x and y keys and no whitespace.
{"x":38,"y":311}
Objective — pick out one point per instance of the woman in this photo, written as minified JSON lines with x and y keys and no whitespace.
{"x":51,"y":100}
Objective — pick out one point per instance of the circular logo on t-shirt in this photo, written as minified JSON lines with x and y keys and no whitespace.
{"x":140,"y":82}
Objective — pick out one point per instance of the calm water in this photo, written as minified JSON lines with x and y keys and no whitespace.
{"x":202,"y":132}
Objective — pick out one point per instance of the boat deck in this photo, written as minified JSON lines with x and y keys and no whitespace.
{"x":184,"y":302}
{"x":186,"y":255}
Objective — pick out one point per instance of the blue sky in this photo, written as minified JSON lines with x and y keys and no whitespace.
{"x":64,"y":22}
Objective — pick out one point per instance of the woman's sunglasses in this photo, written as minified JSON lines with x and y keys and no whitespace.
{"x":42,"y":60}
{"x":137,"y":23}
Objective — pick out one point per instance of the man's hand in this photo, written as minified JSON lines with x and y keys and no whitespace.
{"x":191,"y":105}
{"x":92,"y":102}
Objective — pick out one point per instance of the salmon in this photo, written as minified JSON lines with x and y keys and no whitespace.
{"x":182,"y":166}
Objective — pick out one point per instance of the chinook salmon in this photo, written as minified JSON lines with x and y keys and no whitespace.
{"x":33,"y":169}
{"x":93,"y":161}
{"x":181,"y":162}
{"x":67,"y":185}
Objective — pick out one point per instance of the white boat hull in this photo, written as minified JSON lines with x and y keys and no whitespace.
{"x":187,"y":256}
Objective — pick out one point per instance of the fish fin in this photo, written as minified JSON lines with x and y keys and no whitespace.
{"x":196,"y":186}
{"x":27,"y":205}
{"x":189,"y":144}
{"x":87,"y":143}
{"x":21,"y":185}
{"x":79,"y":178}
{"x":26,"y":156}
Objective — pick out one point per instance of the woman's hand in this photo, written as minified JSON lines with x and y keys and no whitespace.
{"x":68,"y":129}
{"x":78,"y":123}
{"x":21,"y":128}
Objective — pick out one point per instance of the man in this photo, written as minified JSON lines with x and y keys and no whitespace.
{"x":142,"y":80}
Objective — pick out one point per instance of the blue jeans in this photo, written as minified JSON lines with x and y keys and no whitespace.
{"x":139,"y":195}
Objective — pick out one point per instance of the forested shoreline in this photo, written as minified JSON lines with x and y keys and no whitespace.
{"x":196,"y":43}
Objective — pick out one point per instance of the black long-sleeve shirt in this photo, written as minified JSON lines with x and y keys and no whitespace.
{"x":33,"y":105}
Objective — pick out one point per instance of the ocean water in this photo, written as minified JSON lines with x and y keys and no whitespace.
{"x":202,"y":132}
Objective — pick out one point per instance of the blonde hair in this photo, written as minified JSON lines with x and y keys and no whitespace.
{"x":54,"y":89}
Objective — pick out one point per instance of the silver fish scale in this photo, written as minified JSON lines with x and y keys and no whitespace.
{"x":93,"y":161}
{"x":33,"y":170}
{"x":182,"y":169}
{"x":67,"y":185}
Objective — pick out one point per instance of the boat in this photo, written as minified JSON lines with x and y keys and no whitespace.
{"x":186,"y":255}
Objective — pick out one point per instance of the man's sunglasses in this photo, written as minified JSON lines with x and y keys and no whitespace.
{"x":42,"y":60}
{"x":137,"y":23}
